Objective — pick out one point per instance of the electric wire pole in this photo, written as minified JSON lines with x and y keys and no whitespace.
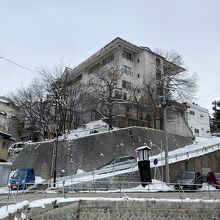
{"x":167,"y":171}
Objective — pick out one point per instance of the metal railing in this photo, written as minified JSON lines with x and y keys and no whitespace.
{"x":187,"y":153}
{"x":120,"y":189}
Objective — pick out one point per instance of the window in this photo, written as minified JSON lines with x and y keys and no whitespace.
{"x":157,"y":62}
{"x":128,"y":109}
{"x":138,"y":61}
{"x":138,"y":75}
{"x":126,"y":85}
{"x":118,"y":94}
{"x":126,"y":55}
{"x":108,"y":59}
{"x":4,"y":145}
{"x":201,"y":115}
{"x":94,"y":68}
{"x":192,"y":113}
{"x":125,"y":96}
{"x":127,"y":70}
{"x":196,"y":131}
{"x":78,"y":78}
{"x":159,"y":91}
{"x":158,"y":74}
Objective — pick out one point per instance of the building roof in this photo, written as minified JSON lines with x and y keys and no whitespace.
{"x":109,"y":47}
{"x":6,"y":136}
{"x":4,"y":101}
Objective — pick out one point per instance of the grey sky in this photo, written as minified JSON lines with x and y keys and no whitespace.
{"x":35,"y":33}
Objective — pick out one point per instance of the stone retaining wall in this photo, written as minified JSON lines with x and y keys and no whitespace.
{"x":131,"y":209}
{"x":93,"y":151}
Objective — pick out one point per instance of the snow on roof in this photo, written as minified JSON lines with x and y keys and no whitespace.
{"x":4,"y":101}
{"x":143,"y":148}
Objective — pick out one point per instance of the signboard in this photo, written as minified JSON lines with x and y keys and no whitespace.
{"x":155,"y":161}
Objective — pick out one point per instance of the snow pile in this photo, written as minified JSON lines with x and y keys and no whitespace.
{"x":89,"y":129}
{"x":155,"y":186}
{"x":6,"y":210}
{"x":39,"y":180}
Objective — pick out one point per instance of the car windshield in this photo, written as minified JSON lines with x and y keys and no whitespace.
{"x":20,"y":174}
{"x":187,"y":175}
{"x":117,"y":160}
{"x":217,"y":176}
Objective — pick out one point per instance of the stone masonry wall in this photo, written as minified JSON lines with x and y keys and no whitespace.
{"x":93,"y":151}
{"x":124,"y":209}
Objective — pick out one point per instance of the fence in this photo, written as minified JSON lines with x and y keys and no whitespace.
{"x":186,"y":154}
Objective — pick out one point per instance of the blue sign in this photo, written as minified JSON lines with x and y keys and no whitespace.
{"x":155,"y":161}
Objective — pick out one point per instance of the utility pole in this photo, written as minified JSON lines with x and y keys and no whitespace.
{"x":55,"y":160}
{"x":215,"y":109}
{"x":55,"y":146}
{"x":167,"y":171}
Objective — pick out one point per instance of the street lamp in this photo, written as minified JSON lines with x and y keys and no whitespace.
{"x":144,"y":164}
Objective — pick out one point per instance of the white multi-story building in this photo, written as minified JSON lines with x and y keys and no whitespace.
{"x":140,"y":65}
{"x":197,"y":118}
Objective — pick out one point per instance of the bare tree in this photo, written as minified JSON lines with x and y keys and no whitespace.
{"x":103,"y":84}
{"x":47,"y":106}
{"x":67,"y":100}
{"x":180,"y":84}
{"x":171,"y":80}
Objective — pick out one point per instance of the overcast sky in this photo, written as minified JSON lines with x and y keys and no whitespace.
{"x":42,"y":33}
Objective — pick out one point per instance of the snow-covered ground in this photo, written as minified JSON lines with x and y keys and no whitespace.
{"x":201,"y":146}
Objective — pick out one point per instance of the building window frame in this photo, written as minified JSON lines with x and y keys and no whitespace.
{"x":127,"y":55}
{"x":127,"y":70}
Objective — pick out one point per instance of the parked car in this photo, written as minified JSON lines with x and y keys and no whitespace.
{"x":189,"y":180}
{"x":96,"y":128}
{"x":16,"y":148}
{"x":213,"y":179}
{"x":117,"y":164}
{"x":22,"y":178}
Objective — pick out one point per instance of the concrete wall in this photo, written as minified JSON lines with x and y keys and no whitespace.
{"x":93,"y":151}
{"x":199,"y":120}
{"x":129,"y":209}
{"x":211,"y":160}
{"x":132,"y":179}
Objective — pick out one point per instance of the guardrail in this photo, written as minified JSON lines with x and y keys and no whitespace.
{"x":121,"y":188}
{"x":186,"y":154}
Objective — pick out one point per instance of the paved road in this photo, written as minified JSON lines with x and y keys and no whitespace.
{"x":32,"y":196}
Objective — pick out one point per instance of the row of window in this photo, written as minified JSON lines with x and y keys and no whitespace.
{"x":119,"y":95}
{"x":103,"y":62}
{"x":193,"y":113}
{"x":126,"y":84}
{"x":197,"y":130}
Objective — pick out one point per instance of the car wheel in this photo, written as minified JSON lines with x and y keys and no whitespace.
{"x":176,"y":187}
{"x":195,"y":188}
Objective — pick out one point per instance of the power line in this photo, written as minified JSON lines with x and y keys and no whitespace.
{"x":16,"y":64}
